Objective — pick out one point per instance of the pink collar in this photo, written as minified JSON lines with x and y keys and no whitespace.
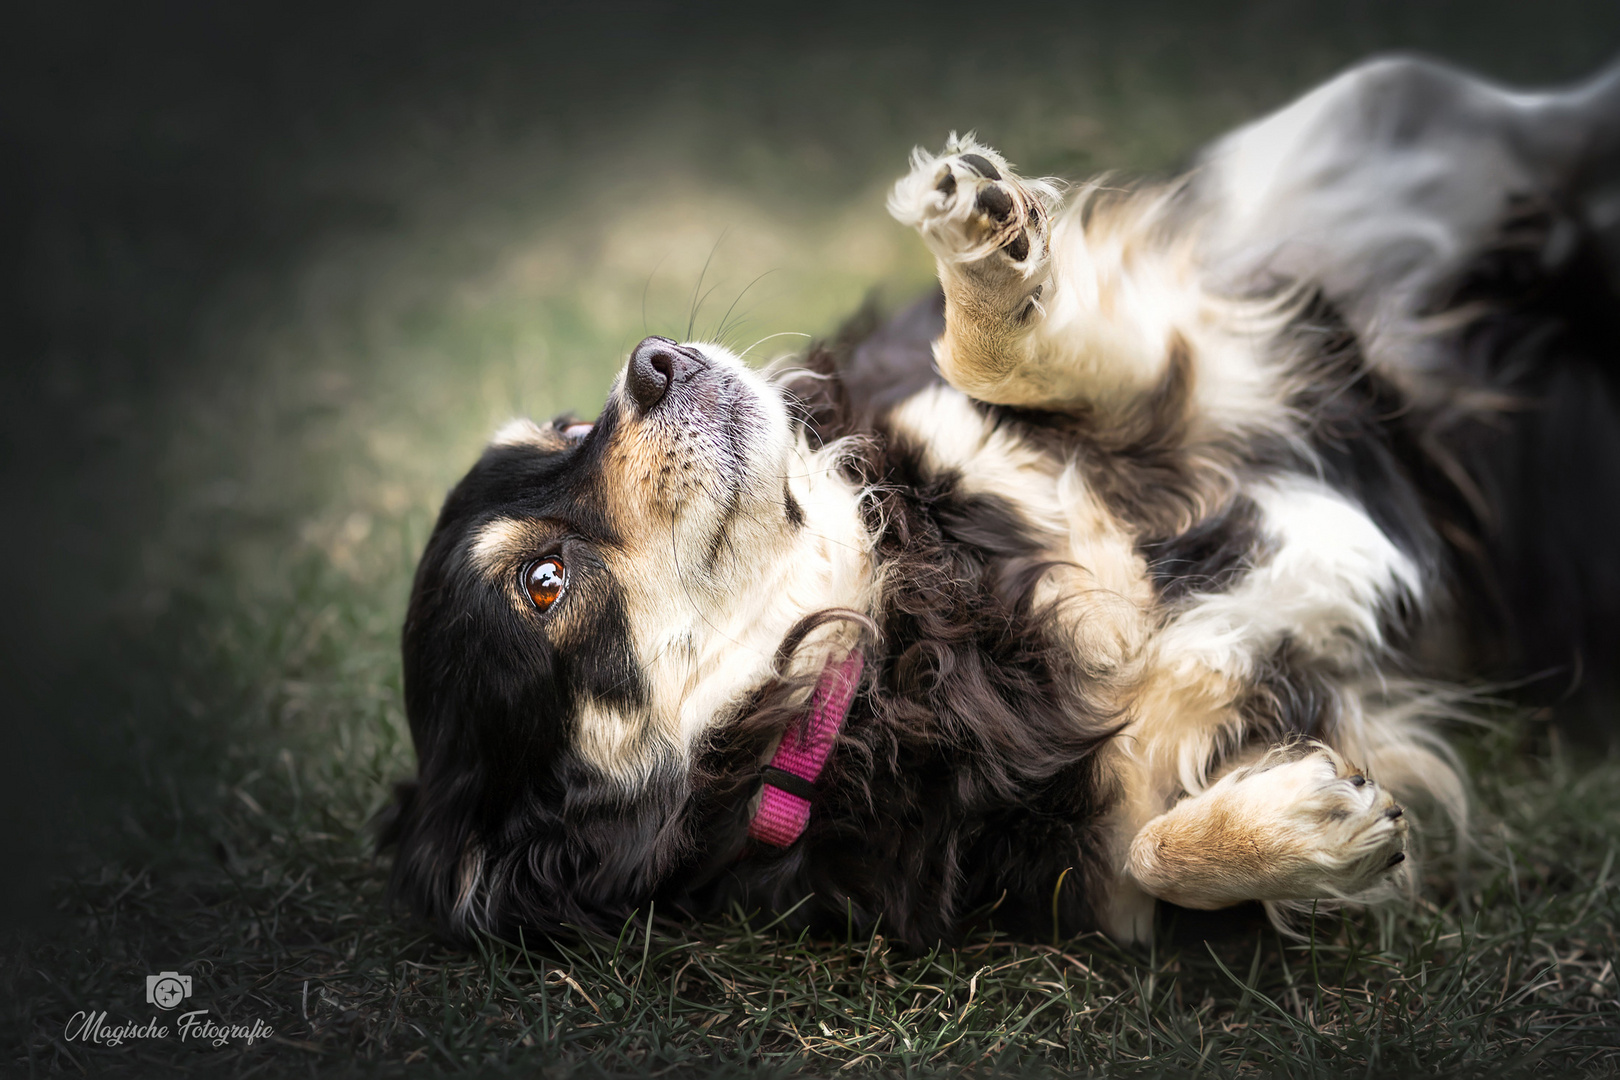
{"x":784,"y":801}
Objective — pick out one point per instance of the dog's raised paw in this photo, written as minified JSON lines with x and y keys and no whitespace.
{"x":973,"y":211}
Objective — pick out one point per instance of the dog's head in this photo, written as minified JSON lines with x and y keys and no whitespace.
{"x":595,"y":602}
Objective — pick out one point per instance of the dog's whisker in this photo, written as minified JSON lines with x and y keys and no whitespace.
{"x":721,"y":333}
{"x":769,"y":337}
{"x":691,"y":318}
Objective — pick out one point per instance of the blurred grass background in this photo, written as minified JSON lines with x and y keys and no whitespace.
{"x":276,"y":273}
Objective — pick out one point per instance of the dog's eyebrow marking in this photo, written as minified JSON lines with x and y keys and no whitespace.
{"x":497,"y":541}
{"x":525,"y":432}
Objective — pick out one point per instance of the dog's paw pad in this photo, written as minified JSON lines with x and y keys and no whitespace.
{"x":994,"y":202}
{"x":972,"y":210}
{"x":981,"y":165}
{"x":1018,"y":250}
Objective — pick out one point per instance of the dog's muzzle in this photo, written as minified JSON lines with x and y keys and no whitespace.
{"x":656,"y":366}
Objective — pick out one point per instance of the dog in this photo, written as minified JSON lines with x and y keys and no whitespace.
{"x":1128,"y":568}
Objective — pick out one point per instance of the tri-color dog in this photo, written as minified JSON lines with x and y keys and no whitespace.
{"x":1118,"y":572}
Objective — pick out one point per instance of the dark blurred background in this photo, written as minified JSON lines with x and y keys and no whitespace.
{"x":272,"y":271}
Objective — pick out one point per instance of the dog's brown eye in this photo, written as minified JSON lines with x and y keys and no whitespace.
{"x":544,"y":580}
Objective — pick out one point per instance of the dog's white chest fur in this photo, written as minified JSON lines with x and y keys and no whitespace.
{"x":1098,"y":586}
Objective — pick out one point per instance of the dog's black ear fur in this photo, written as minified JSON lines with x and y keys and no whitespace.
{"x":585,"y":859}
{"x":436,"y":855}
{"x":389,"y":823}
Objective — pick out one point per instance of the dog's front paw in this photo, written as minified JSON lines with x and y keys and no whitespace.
{"x":972,"y":211}
{"x":1300,"y":824}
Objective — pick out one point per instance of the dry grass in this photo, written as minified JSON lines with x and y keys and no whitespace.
{"x":1511,"y":975}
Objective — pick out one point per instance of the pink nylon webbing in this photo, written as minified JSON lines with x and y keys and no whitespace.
{"x":782,"y":816}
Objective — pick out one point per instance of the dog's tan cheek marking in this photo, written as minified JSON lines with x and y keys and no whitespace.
{"x":649,"y":471}
{"x":625,"y":477}
{"x":617,"y":743}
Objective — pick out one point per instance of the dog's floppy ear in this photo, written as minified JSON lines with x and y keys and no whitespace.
{"x":438,"y":861}
{"x":389,"y":822}
{"x":469,"y":863}
{"x":551,"y":438}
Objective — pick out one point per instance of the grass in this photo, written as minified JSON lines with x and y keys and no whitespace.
{"x":1509,"y":975}
{"x":234,"y":716}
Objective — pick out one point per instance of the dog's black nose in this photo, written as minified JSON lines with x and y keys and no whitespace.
{"x":656,"y":365}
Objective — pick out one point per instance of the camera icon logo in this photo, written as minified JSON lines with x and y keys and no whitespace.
{"x":167,"y":989}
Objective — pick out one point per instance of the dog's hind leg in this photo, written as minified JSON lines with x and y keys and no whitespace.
{"x":1301,"y":823}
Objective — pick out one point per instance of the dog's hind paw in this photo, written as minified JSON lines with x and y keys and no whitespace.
{"x":972,"y":211}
